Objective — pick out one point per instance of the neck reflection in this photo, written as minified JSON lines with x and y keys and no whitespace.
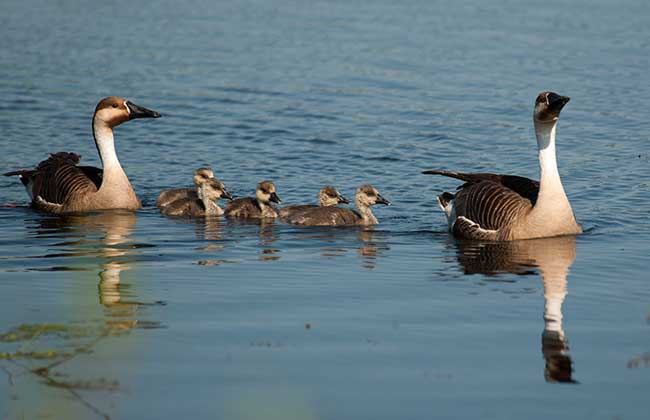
{"x":553,"y":257}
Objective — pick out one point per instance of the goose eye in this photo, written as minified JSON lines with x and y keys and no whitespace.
{"x":114,"y":105}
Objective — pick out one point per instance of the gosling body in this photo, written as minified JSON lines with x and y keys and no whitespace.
{"x":204,"y":205}
{"x":365,"y":197}
{"x":258,"y":207}
{"x":327,"y":197}
{"x":169,"y":196}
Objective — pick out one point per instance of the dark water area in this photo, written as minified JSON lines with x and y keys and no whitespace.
{"x":136,"y":315}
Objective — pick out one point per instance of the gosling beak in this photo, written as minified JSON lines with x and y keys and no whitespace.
{"x":226,"y":194}
{"x":382,"y":200}
{"x":137,"y":111}
{"x":275,"y":198}
{"x":557,"y":102}
{"x":343,"y":200}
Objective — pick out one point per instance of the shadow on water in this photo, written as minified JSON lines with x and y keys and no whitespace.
{"x":553,"y":257}
{"x":101,"y":240}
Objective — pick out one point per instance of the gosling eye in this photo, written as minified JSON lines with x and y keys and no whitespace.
{"x":370,"y":194}
{"x":114,"y":105}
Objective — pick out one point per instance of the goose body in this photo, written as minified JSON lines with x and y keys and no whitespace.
{"x":258,"y":207}
{"x":204,"y":205}
{"x":169,"y":196}
{"x":59,"y":185}
{"x":365,"y":197}
{"x":497,"y":207}
{"x":327,"y":197}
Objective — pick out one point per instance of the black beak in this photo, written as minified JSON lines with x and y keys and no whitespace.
{"x":343,"y":200}
{"x":138,"y":111}
{"x":382,"y":200}
{"x":275,"y":198}
{"x":557,"y":102}
{"x":226,"y":194}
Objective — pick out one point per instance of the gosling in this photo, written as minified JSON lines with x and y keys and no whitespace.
{"x":204,"y":205}
{"x":258,"y":207}
{"x":327,"y":197}
{"x":167,"y":197}
{"x":366,"y":196}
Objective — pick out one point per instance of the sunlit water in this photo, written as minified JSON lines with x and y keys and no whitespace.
{"x":126,"y":315}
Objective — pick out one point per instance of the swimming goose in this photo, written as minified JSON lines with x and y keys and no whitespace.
{"x":365,"y":197}
{"x":327,"y":196}
{"x":258,"y":207}
{"x":58,"y":185}
{"x":167,"y":197}
{"x":204,"y":205}
{"x":496,"y":207}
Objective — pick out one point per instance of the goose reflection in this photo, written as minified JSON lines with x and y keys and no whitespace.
{"x":370,"y":249}
{"x":553,"y":257}
{"x":106,"y":238}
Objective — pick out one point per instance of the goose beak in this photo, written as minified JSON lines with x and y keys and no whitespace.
{"x":557,"y":102}
{"x":226,"y":194}
{"x":382,"y":200}
{"x":343,"y":200}
{"x":275,"y":198}
{"x":137,"y":111}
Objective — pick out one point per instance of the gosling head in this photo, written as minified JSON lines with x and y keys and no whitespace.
{"x":548,"y":106}
{"x":212,"y":189}
{"x":330,"y":196}
{"x":265,"y":193}
{"x":201,"y":175}
{"x":113,"y":111}
{"x":367,"y":196}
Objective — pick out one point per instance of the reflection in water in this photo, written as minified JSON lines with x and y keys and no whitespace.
{"x":371,"y":249}
{"x":553,"y":256}
{"x":102,"y":239}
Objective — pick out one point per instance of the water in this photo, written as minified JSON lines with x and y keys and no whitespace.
{"x":139,"y":316}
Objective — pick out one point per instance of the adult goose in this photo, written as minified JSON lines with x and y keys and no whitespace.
{"x":58,"y":185}
{"x":494,"y":207}
{"x":167,"y":197}
{"x":365,"y":197}
{"x":327,"y":196}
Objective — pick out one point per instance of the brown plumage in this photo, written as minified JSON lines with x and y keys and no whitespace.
{"x":258,"y":207}
{"x":327,"y":196}
{"x":58,"y":185}
{"x":497,"y":207}
{"x":167,"y":197}
{"x":203,"y":205}
{"x":365,"y":197}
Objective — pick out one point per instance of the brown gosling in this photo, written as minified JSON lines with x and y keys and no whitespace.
{"x":167,"y":197}
{"x":366,"y":196}
{"x":204,"y":205}
{"x":258,"y":207}
{"x":58,"y":185}
{"x":327,"y":196}
{"x":493,"y":207}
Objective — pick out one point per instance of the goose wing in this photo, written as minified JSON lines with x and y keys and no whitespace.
{"x":525,"y":187}
{"x":58,"y":178}
{"x":246,"y":207}
{"x":485,"y":208}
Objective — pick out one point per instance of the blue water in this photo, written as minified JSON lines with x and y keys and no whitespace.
{"x":134,"y":315}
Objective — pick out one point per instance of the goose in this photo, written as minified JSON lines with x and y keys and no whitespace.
{"x":365,"y":197}
{"x":167,"y":197}
{"x":493,"y":207}
{"x":58,"y":185}
{"x":204,"y":205}
{"x":327,"y":196}
{"x":258,"y":207}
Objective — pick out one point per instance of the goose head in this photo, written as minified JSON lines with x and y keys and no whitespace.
{"x":330,"y":196}
{"x":265,"y":193}
{"x":212,"y":189}
{"x":548,"y":106}
{"x":201,"y":175}
{"x":113,"y":111}
{"x":367,"y":196}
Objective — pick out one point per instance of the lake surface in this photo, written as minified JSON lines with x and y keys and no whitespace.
{"x":135,"y":315}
